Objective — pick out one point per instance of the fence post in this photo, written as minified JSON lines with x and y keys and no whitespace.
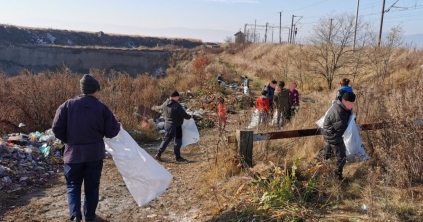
{"x":245,"y":145}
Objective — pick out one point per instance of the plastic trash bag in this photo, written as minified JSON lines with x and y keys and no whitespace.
{"x":45,"y":149}
{"x":354,"y":146}
{"x":246,"y":90}
{"x":254,"y":120}
{"x":322,"y":120}
{"x":274,"y":121}
{"x":190,"y":132}
{"x":144,"y":177}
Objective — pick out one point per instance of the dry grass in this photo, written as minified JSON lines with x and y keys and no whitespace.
{"x":389,"y":184}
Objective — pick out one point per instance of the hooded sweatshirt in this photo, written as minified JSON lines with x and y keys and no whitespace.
{"x":173,"y":113}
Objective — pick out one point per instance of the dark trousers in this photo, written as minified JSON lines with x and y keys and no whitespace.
{"x":75,"y":174}
{"x":175,"y":133}
{"x":341,"y":157}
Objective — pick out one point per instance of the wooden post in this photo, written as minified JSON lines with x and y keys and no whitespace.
{"x":245,"y":146}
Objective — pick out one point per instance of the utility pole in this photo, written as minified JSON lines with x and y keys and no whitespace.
{"x":265,"y":34}
{"x":330,"y":30}
{"x":295,"y":34}
{"x":272,"y":34}
{"x":381,"y":23}
{"x":356,"y":21}
{"x":245,"y":28}
{"x":280,"y":27}
{"x":291,"y":30}
{"x":255,"y":24}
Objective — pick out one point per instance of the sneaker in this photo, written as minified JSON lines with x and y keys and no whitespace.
{"x":158,"y":157}
{"x":180,"y":159}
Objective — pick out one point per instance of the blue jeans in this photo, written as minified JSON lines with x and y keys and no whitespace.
{"x":75,"y":174}
{"x":172,"y":132}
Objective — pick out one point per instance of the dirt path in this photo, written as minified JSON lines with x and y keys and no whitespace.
{"x":181,"y":202}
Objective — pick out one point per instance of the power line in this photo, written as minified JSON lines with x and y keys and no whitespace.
{"x":308,"y":6}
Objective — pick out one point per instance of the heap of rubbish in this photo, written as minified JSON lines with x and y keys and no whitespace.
{"x":29,"y":160}
{"x":204,"y":109}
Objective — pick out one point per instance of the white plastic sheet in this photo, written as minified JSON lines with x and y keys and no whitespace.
{"x":190,"y":132}
{"x":144,"y":177}
{"x":354,"y":146}
{"x":254,"y":120}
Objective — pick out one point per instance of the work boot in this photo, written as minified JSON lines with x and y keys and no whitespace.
{"x":180,"y":159}
{"x":77,"y":219}
{"x":158,"y":157}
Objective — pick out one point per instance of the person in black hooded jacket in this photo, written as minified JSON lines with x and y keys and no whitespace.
{"x":174,"y":116}
{"x":334,"y":126}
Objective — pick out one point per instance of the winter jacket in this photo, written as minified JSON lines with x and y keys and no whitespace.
{"x":335,"y":123}
{"x":270,"y":91}
{"x":341,"y":92}
{"x":174,"y":114}
{"x":81,"y":124}
{"x":263,"y":104}
{"x":282,"y":100}
{"x":294,"y":97}
{"x":221,"y":110}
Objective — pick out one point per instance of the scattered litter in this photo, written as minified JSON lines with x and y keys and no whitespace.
{"x":26,"y":159}
{"x":364,"y":207}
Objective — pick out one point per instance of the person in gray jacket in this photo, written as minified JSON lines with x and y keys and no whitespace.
{"x":334,"y":126}
{"x":174,"y":116}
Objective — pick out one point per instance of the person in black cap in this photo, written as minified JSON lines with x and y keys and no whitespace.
{"x":174,"y":116}
{"x":81,"y":124}
{"x":334,"y":126}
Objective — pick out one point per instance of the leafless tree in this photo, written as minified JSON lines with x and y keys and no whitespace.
{"x":331,"y":41}
{"x":282,"y":62}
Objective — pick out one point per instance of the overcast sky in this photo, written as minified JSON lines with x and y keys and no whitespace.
{"x":209,"y":20}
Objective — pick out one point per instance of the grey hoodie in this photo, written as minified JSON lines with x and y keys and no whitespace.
{"x":173,"y":113}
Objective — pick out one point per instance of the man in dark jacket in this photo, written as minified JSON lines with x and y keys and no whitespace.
{"x":334,"y":126}
{"x":270,"y":88}
{"x":282,"y":104}
{"x":174,"y":116}
{"x":81,"y":124}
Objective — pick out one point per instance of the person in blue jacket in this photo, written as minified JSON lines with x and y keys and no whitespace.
{"x":81,"y":124}
{"x":344,"y":88}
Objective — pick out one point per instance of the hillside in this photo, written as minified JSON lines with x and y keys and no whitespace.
{"x":15,"y":35}
{"x":40,"y":50}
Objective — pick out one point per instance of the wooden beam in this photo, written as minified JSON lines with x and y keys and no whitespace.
{"x":301,"y":133}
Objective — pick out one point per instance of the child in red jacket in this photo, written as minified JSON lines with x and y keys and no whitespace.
{"x":221,"y":112}
{"x":263,"y":106}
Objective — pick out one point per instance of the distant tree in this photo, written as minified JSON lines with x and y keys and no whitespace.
{"x":332,"y":40}
{"x":228,"y":39}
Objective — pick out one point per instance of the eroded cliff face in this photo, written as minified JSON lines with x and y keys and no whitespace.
{"x":38,"y":58}
{"x":47,"y":49}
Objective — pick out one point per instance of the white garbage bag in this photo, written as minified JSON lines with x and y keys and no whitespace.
{"x":190,"y":132}
{"x":274,"y":121}
{"x":254,"y":120}
{"x":321,"y":120}
{"x":144,"y":177}
{"x":246,"y":90}
{"x":354,"y":146}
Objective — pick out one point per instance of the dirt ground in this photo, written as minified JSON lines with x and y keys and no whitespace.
{"x":181,"y":202}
